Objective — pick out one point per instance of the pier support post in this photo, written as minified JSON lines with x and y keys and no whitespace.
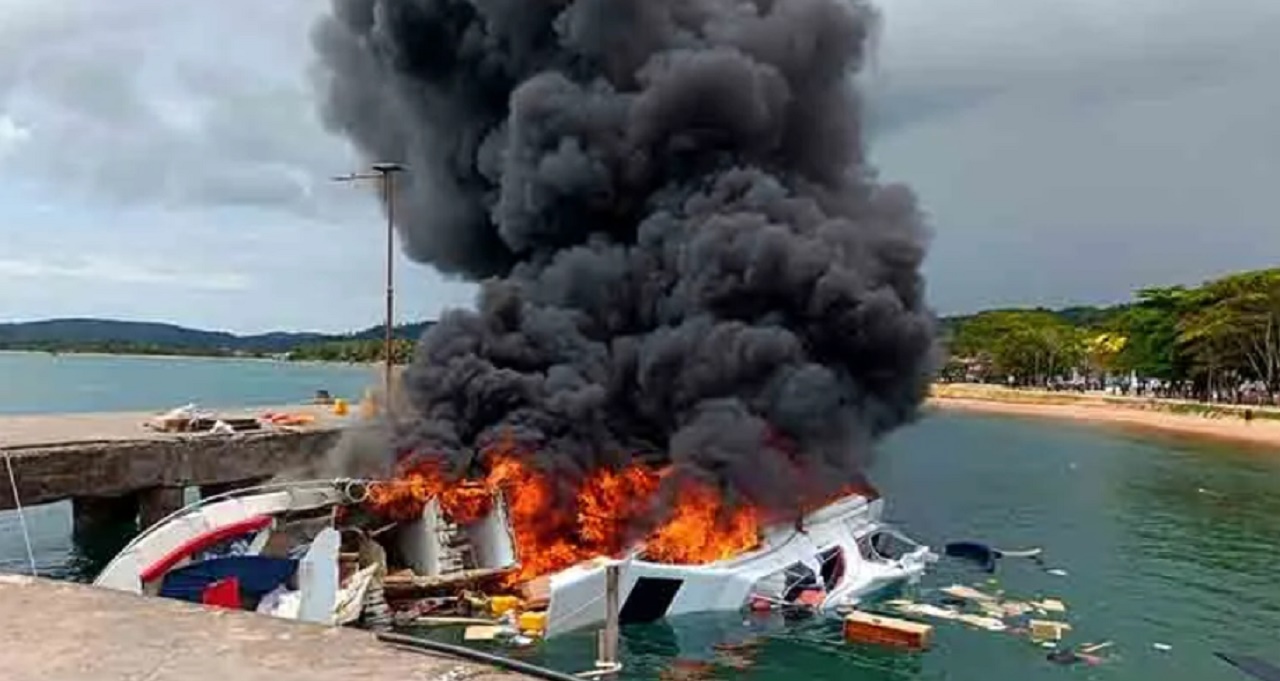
{"x":90,"y":515}
{"x":156,"y":503}
{"x":607,"y":643}
{"x":101,"y":526}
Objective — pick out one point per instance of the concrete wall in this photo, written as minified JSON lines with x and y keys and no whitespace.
{"x":119,"y":468}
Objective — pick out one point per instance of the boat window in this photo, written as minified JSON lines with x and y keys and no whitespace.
{"x":885,"y":545}
{"x":832,"y":562}
{"x":864,"y":547}
{"x":233,"y":546}
{"x":799,"y":578}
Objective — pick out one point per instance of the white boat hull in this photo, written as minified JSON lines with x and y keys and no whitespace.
{"x":835,"y":553}
{"x":649,"y":591}
{"x":160,"y":547}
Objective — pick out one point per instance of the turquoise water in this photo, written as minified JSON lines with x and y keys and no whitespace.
{"x":34,"y":383}
{"x":1163,"y":541}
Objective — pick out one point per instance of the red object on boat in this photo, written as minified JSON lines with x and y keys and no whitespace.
{"x":224,"y":593}
{"x":201,"y":542}
{"x":761,"y":604}
{"x":811,"y":597}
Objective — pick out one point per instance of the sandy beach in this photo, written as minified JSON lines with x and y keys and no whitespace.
{"x":1213,"y":422}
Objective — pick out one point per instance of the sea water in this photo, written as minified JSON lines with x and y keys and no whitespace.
{"x":37,"y":383}
{"x":1166,"y":548}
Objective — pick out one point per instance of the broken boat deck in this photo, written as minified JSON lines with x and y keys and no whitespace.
{"x":71,"y":632}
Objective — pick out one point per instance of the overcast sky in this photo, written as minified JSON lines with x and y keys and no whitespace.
{"x":163,"y":160}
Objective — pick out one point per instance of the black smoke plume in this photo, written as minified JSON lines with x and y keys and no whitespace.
{"x":683,"y":250}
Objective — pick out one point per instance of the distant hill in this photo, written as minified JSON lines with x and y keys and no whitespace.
{"x":1080,"y":315}
{"x":109,"y":334}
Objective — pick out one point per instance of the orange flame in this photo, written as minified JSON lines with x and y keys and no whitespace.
{"x":555,"y":531}
{"x":700,"y":530}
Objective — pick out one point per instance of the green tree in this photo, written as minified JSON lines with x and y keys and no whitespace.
{"x":1033,"y":346}
{"x":354,"y":351}
{"x":1232,"y":330}
{"x":1150,"y":328}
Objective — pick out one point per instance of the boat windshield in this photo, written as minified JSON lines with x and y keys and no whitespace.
{"x":885,"y":545}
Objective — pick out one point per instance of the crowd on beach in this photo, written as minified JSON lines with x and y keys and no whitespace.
{"x":1241,"y":393}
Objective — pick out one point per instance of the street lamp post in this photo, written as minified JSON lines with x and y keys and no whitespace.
{"x":385,"y":174}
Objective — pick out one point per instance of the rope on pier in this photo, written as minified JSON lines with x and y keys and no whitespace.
{"x":22,"y":516}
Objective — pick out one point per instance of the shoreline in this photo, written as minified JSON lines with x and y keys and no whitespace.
{"x":1218,"y":423}
{"x":212,"y":358}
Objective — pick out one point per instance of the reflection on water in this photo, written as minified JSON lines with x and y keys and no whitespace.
{"x":1162,"y":542}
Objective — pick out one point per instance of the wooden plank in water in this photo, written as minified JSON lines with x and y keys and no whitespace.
{"x":863,"y":627}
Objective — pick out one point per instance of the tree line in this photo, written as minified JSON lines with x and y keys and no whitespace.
{"x":354,"y":351}
{"x":121,"y":347}
{"x":1217,"y":341}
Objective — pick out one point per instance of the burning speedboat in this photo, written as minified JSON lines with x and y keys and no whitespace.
{"x":833,"y":559}
{"x":338,"y":552}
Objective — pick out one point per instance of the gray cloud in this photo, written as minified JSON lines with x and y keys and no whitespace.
{"x":1066,"y":150}
{"x":156,"y":103}
{"x":144,"y":141}
{"x":1073,"y":151}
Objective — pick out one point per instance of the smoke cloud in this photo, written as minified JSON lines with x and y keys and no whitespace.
{"x":683,"y":250}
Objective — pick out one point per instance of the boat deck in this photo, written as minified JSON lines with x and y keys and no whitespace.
{"x":72,"y":632}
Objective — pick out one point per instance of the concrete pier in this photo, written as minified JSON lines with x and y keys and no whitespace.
{"x":69,"y":632}
{"x":111,"y":467}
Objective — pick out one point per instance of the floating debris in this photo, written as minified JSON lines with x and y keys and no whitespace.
{"x":985,"y":556}
{"x":927,"y":610}
{"x":484,"y":632}
{"x":1063,"y":656}
{"x":1015,"y":608}
{"x":1048,"y":630}
{"x":978,"y":553}
{"x":966,"y":593}
{"x":532,"y":623}
{"x":1163,"y":647}
{"x":1067,"y":656}
{"x":863,"y":627}
{"x":988,"y":623}
{"x":1050,"y":605}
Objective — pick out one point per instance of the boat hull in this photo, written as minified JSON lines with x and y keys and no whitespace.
{"x":648,"y":591}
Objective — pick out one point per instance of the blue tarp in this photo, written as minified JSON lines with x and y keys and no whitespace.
{"x":258,"y":575}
